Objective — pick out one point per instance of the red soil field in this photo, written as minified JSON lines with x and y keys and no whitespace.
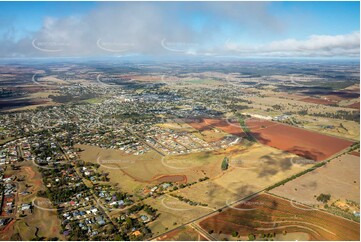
{"x":354,"y":105}
{"x":355,"y":153}
{"x":230,"y":127}
{"x":269,"y":214}
{"x":308,"y":144}
{"x":318,"y":101}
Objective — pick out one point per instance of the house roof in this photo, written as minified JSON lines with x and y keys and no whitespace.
{"x":136,"y":233}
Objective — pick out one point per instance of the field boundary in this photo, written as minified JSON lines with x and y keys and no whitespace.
{"x":265,"y":190}
{"x":320,"y":210}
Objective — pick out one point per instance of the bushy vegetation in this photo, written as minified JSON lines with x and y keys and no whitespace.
{"x":355,"y":146}
{"x":224,"y":165}
{"x":190,"y":202}
{"x":242,"y":123}
{"x":323,"y":197}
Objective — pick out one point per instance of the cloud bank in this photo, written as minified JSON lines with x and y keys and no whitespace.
{"x":197,"y":28}
{"x":315,"y":45}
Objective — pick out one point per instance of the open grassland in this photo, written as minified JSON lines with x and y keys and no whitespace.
{"x":173,"y":213}
{"x":212,"y":135}
{"x":132,"y":172}
{"x":336,"y":127}
{"x":177,"y":125}
{"x":250,"y":170}
{"x":267,"y":215}
{"x":340,"y":178}
{"x":185,"y":233}
{"x":252,"y":167}
{"x":51,"y":80}
{"x":115,"y":163}
{"x":290,"y":105}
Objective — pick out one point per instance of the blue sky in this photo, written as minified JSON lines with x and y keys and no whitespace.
{"x":29,"y":16}
{"x":306,"y":18}
{"x":250,"y":26}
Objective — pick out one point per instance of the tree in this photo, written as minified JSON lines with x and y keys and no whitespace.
{"x":224,"y":165}
{"x":251,"y":237}
{"x":129,"y":222}
{"x":324,"y":198}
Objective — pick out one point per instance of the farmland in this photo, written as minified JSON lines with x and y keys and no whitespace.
{"x":340,"y":178}
{"x":317,"y":101}
{"x":335,"y":127}
{"x":341,"y":183}
{"x":267,"y":216}
{"x":222,"y":124}
{"x":182,"y":234}
{"x":301,"y":142}
{"x":173,"y":152}
{"x":250,"y":170}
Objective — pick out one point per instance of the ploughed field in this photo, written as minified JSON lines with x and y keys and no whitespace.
{"x":308,"y":144}
{"x":266,"y":214}
{"x":318,"y":101}
{"x":355,"y":105}
{"x":230,"y":127}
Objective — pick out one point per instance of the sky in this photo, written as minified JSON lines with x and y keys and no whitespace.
{"x":205,"y":29}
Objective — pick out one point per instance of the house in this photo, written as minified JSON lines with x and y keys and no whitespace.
{"x":144,"y":218}
{"x":136,"y":233}
{"x":25,"y":206}
{"x":281,"y":118}
{"x":94,"y":210}
{"x":2,"y":221}
{"x":165,"y":185}
{"x":100,"y":220}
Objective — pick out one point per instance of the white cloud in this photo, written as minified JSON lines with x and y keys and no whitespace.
{"x":315,"y":45}
{"x":149,"y":28}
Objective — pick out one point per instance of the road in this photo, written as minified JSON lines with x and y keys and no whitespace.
{"x":245,"y":199}
{"x":144,"y":141}
{"x":97,"y":201}
{"x":204,"y":233}
{"x":211,"y":213}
